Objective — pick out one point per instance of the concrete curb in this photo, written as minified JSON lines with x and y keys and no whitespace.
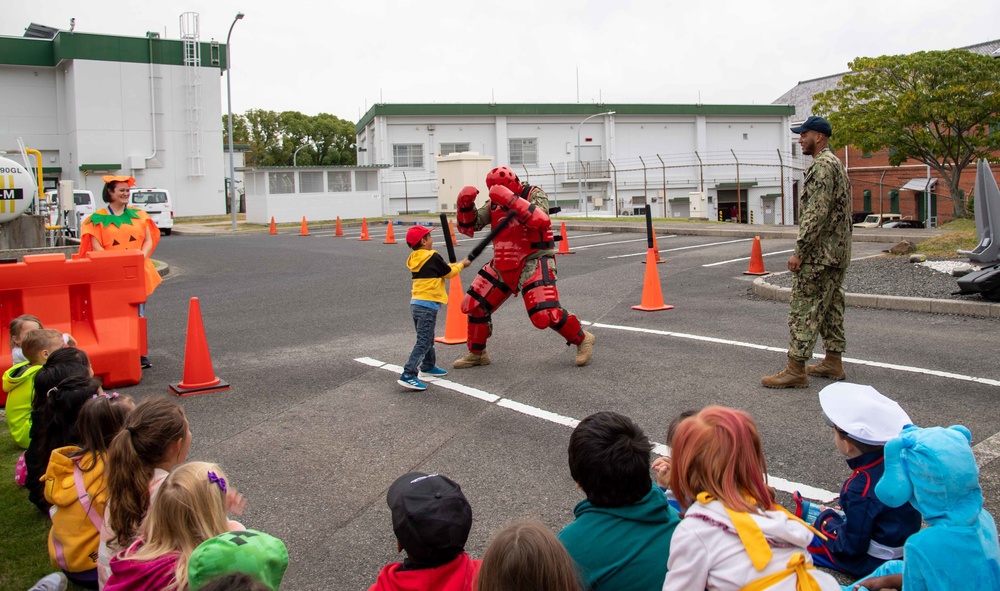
{"x":883,"y":302}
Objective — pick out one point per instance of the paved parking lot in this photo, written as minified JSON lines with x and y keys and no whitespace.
{"x":308,"y":329}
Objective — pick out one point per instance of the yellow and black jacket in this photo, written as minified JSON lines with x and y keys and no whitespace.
{"x":429,"y":272}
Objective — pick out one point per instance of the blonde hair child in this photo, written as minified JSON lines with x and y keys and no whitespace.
{"x":733,"y":535}
{"x":189,"y":508}
{"x":155,"y":438}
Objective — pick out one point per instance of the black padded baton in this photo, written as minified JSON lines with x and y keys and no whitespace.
{"x":447,"y":238}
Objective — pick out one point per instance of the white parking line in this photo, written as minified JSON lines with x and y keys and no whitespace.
{"x":716,"y":340}
{"x":637,"y":254}
{"x":747,"y":258}
{"x":575,"y":236}
{"x":809,"y":492}
{"x":608,"y":243}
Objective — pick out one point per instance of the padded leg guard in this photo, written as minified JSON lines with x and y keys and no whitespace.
{"x":487,"y":292}
{"x":541,"y":299}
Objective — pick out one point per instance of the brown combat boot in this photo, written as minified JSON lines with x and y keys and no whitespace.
{"x":585,"y":350}
{"x":471,"y":360}
{"x":793,"y":376}
{"x":831,"y":367}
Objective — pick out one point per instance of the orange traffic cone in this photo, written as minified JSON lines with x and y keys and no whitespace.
{"x":656,"y":250}
{"x":456,"y":325}
{"x":390,"y":236}
{"x":652,"y":294}
{"x":756,"y":259}
{"x":199,"y":376}
{"x":364,"y":230}
{"x":564,"y":243}
{"x":451,"y":228}
{"x":274,"y":229}
{"x":305,"y":229}
{"x":340,"y":231}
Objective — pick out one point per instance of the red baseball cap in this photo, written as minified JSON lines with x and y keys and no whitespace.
{"x":415,"y":234}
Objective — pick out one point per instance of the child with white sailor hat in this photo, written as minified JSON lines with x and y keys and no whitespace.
{"x":862,"y":413}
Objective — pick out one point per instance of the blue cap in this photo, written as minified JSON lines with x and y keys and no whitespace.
{"x":816,"y":124}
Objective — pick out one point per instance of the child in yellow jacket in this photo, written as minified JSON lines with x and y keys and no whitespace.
{"x":76,"y":487}
{"x":429,"y":272}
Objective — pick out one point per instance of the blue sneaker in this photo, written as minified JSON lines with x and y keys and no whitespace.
{"x":434,"y":372}
{"x":411,"y":383}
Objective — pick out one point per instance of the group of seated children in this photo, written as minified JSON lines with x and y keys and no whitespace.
{"x":127,"y":510}
{"x":626,"y":535}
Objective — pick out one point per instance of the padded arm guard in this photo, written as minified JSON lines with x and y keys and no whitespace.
{"x":529,"y":215}
{"x":467,"y":210}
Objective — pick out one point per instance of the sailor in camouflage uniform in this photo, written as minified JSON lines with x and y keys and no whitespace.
{"x":822,"y":253}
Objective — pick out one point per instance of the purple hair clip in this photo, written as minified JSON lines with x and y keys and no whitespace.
{"x":213,"y":477}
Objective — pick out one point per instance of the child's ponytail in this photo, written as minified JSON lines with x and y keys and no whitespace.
{"x":135,"y":451}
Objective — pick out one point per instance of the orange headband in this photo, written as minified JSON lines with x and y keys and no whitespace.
{"x":121,"y":179}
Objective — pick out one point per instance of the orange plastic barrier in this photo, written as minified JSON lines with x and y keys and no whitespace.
{"x":94,"y":298}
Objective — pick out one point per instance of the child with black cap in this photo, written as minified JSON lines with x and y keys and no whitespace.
{"x":867,"y":532}
{"x":431,"y":519}
{"x":429,"y":272}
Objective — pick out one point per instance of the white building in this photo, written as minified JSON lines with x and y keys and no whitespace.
{"x":684,"y":160}
{"x":98,"y":104}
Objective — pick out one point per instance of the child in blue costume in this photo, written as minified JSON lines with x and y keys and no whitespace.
{"x":935,"y":471}
{"x":866,"y":533}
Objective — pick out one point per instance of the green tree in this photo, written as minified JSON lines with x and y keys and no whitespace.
{"x":934,"y":107}
{"x":241,"y":129}
{"x":265,"y":138}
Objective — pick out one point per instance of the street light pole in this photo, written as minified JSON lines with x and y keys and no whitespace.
{"x":229,"y":121}
{"x":579,"y":159}
{"x":295,"y":155}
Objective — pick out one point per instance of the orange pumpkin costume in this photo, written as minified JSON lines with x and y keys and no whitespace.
{"x":122,"y":232}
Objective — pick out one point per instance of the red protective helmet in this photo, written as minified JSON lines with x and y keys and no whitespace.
{"x":504,"y":177}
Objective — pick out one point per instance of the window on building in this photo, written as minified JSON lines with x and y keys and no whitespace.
{"x":523,"y":150}
{"x":454,"y":147}
{"x":339,"y":181}
{"x":281,"y":183}
{"x":866,"y":154}
{"x":311,"y":181}
{"x":366,"y":180}
{"x":408,"y":155}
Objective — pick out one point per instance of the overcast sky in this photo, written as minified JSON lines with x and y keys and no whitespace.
{"x":342,"y":57}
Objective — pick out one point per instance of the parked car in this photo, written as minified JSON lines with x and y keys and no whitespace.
{"x":904,"y":224}
{"x":156,"y":203}
{"x":876,"y":220}
{"x":859,"y":216}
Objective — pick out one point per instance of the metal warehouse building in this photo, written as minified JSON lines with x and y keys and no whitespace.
{"x":98,"y":104}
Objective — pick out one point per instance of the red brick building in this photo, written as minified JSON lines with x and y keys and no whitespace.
{"x":879,"y":187}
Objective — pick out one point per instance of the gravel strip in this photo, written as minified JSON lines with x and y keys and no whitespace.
{"x":893,"y":275}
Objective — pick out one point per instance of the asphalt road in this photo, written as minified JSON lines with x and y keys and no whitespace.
{"x":313,"y":437}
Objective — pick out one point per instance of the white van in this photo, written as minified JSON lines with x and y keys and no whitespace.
{"x":156,"y":203}
{"x":83,"y":202}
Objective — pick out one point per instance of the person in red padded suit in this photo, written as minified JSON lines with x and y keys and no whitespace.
{"x":523,"y":261}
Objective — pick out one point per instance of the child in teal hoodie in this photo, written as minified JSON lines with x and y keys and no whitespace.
{"x":620,"y":538}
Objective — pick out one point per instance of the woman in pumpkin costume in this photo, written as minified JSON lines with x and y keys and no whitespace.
{"x":120,"y":227}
